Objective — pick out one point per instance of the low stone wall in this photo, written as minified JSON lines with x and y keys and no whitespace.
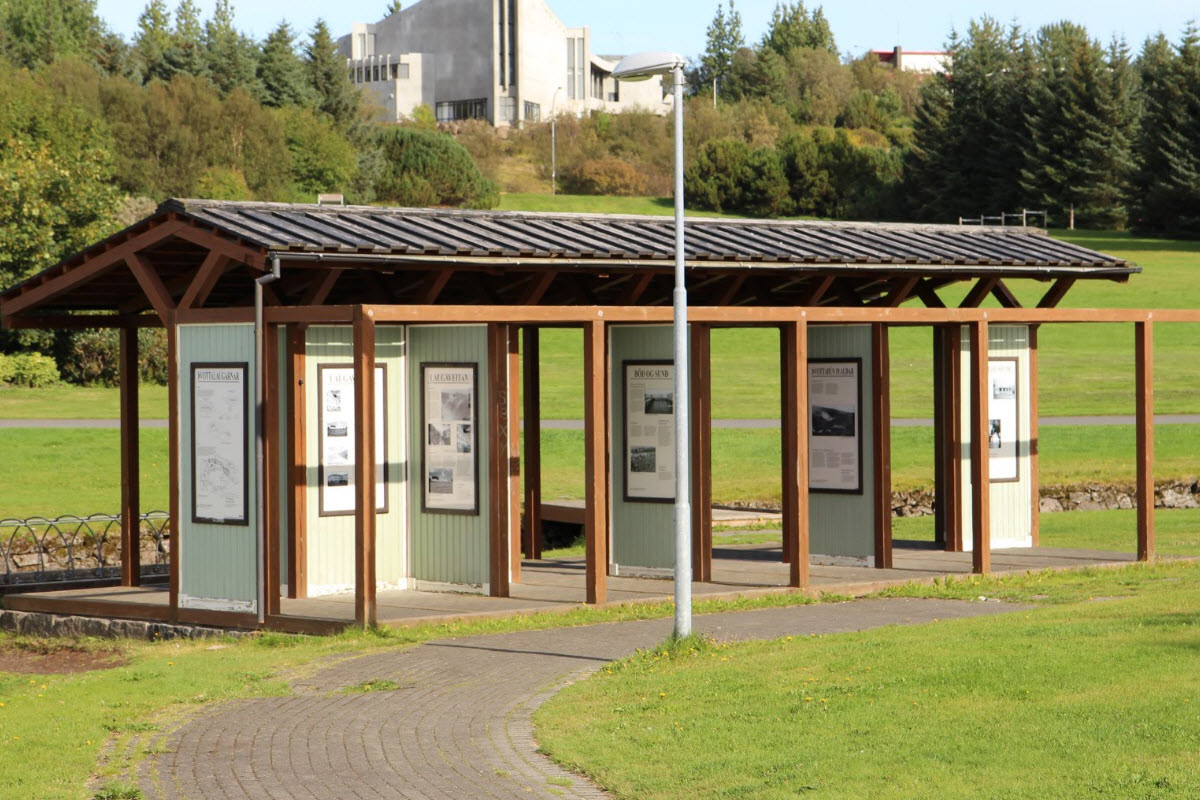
{"x":30,"y":623}
{"x":1078,"y":497}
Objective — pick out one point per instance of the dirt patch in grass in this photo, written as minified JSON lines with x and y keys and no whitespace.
{"x":30,"y":658}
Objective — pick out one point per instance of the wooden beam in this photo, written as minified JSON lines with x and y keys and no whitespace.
{"x":205,"y":280}
{"x":818,"y":291}
{"x":731,"y":291}
{"x":1004,"y":296}
{"x":499,"y":567}
{"x":271,"y":454}
{"x":131,"y":546}
{"x":298,"y":463}
{"x":595,"y":427}
{"x":634,"y":293}
{"x":152,"y":285}
{"x":1056,"y":293}
{"x":364,"y":468}
{"x":952,"y":428}
{"x":983,"y":287}
{"x":794,"y":349}
{"x":212,"y":241}
{"x":318,"y":292}
{"x":900,"y":290}
{"x":434,"y":283}
{"x":701,"y":450}
{"x":981,"y":556}
{"x":538,"y":285}
{"x":532,"y":530}
{"x":939,"y":436}
{"x":78,"y":322}
{"x":881,"y":407}
{"x":513,"y":434}
{"x":927,"y":291}
{"x":49,"y":287}
{"x":173,"y":467}
{"x":1035,"y":517}
{"x":1144,"y":415}
{"x":787,"y":419}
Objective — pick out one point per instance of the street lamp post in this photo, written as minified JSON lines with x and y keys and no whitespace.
{"x":554,"y":142}
{"x":642,"y":66}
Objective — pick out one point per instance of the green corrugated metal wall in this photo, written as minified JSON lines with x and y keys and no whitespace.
{"x":217,"y":562}
{"x":449,"y":548}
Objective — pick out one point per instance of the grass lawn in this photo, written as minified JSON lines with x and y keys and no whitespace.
{"x":78,"y":402}
{"x":1075,"y":698}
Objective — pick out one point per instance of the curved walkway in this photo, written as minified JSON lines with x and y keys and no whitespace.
{"x":458,"y":727}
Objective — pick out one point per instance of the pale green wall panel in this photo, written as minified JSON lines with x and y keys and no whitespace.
{"x":448,"y":548}
{"x":1010,"y":502}
{"x":218,"y":563}
{"x":282,"y":473}
{"x":843,"y":525}
{"x":642,"y":532}
{"x":331,"y":538}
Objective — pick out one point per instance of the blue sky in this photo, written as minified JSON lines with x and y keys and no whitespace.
{"x":627,"y":26}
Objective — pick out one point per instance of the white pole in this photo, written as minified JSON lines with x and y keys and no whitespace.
{"x":683,"y":506}
{"x":554,"y":141}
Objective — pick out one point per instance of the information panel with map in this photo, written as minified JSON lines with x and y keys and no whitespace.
{"x":219,"y":433}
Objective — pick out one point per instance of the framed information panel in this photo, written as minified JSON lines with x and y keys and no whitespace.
{"x":649,"y":434}
{"x":1003,"y":433}
{"x":835,"y":425}
{"x":450,"y":437}
{"x":220,"y":428}
{"x":335,"y":439}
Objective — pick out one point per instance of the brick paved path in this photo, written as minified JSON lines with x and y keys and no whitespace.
{"x":458,"y":728}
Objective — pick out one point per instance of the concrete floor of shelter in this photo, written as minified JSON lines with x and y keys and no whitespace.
{"x":559,"y":583}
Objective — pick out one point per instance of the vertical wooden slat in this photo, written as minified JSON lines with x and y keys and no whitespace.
{"x":531,"y":535}
{"x":787,"y":363}
{"x":131,"y":548}
{"x":881,"y":408}
{"x":952,"y":431}
{"x":595,"y":369}
{"x":364,"y":467}
{"x":1035,"y":517}
{"x":513,"y":479}
{"x":939,"y":435}
{"x":794,"y":423}
{"x":1144,"y":381}
{"x":498,"y":486}
{"x":271,"y":466}
{"x":981,"y":557}
{"x":298,"y":467}
{"x":701,"y":451}
{"x":173,"y":468}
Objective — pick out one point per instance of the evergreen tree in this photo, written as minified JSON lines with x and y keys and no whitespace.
{"x":281,"y":72}
{"x":36,"y":32}
{"x":186,"y":53}
{"x":1167,"y":184}
{"x":231,"y":58}
{"x":793,"y":26}
{"x":327,"y":77}
{"x":152,"y":41}
{"x":724,"y":39}
{"x":1080,"y":155}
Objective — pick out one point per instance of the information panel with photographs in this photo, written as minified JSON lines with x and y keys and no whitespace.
{"x":336,"y":441}
{"x":649,"y":431}
{"x":219,"y":431}
{"x":450,"y":434}
{"x":1002,"y":419}
{"x":835,"y":425}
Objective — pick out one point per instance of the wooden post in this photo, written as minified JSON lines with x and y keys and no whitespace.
{"x":531,"y":537}
{"x":298,"y":465}
{"x":499,"y":566}
{"x":1035,"y":519}
{"x":794,"y":350}
{"x":131,"y":547}
{"x":701,"y":451}
{"x":939,"y":435}
{"x":981,"y":557}
{"x":951,"y":428}
{"x":881,"y":409}
{"x":513,"y":434}
{"x":1144,"y":380}
{"x":173,"y":456}
{"x":595,"y":426}
{"x":271,"y":402}
{"x":364,"y":467}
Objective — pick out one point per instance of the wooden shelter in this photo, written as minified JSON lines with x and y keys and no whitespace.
{"x":465,"y":292}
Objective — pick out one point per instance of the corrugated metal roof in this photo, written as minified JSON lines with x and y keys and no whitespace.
{"x":536,"y":236}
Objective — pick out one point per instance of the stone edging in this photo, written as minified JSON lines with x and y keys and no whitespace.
{"x":30,"y":623}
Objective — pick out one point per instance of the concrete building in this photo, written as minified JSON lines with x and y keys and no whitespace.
{"x":924,"y":61}
{"x":506,"y":61}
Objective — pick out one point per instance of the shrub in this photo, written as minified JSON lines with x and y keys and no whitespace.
{"x":424,"y":168}
{"x":92,"y":358}
{"x":28,"y":369}
{"x":606,"y":176}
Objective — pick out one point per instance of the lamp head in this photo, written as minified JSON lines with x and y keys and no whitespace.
{"x":643,"y":66}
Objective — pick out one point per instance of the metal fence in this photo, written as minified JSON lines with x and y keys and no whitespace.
{"x":70,"y":549}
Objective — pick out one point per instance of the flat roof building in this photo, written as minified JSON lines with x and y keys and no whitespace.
{"x":506,"y":61}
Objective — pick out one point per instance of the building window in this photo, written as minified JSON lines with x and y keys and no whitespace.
{"x":375,"y":72}
{"x":400,"y":72}
{"x":451,"y":110}
{"x":576,"y":69}
{"x":533,"y":112}
{"x":506,"y":109}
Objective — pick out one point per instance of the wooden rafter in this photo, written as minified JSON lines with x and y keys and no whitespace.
{"x":214,"y":242}
{"x":152,"y":285}
{"x":1056,"y":293}
{"x":1005,"y":296}
{"x":318,"y":292}
{"x":205,"y":281}
{"x":901,"y":289}
{"x":979,"y":292}
{"x":818,"y":292}
{"x":927,"y":291}
{"x":731,"y":291}
{"x":538,"y":285}
{"x":634,"y":294}
{"x":434,"y":283}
